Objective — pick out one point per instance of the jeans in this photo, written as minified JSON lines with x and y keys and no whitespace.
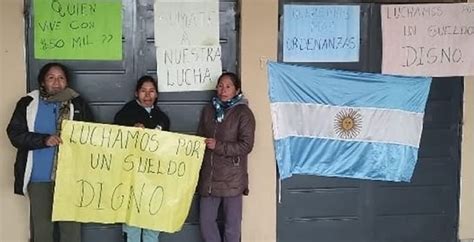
{"x":135,"y":234}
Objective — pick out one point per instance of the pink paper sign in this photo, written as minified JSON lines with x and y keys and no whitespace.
{"x":428,"y":39}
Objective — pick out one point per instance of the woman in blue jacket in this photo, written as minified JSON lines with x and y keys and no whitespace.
{"x":34,"y":129}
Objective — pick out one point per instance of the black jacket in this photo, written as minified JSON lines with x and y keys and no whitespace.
{"x":133,"y":113}
{"x":25,"y":140}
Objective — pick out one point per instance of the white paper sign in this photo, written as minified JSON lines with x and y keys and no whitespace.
{"x":428,"y":39}
{"x":188,"y":52}
{"x":187,"y":22}
{"x":188,"y":68}
{"x":321,"y":33}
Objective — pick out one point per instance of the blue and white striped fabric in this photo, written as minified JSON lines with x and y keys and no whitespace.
{"x":346,"y":124}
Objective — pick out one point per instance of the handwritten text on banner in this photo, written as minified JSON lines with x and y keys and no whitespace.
{"x":321,"y":33}
{"x":428,"y":39}
{"x":188,"y":52}
{"x":142,"y":177}
{"x":186,"y":22}
{"x":78,"y":29}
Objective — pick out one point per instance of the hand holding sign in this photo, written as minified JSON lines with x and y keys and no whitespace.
{"x":142,"y":177}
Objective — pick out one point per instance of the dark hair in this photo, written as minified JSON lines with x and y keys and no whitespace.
{"x":233,"y":77}
{"x":144,"y":79}
{"x":47,"y":67}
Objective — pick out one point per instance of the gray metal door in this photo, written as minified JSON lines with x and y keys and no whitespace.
{"x":327,"y":209}
{"x":107,"y":85}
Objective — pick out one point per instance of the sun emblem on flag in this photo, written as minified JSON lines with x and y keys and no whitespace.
{"x":348,"y":123}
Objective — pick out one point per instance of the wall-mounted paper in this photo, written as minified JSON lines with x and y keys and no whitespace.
{"x":321,"y":33}
{"x":188,"y":53}
{"x":188,"y":68}
{"x":428,"y":39}
{"x":78,"y":29}
{"x":186,"y":22}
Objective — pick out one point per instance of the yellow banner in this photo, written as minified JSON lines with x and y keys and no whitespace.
{"x":142,"y":177}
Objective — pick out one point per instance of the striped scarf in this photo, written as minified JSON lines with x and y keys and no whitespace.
{"x":221,"y":106}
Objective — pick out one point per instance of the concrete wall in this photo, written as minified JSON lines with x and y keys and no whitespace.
{"x":13,"y":208}
{"x":466,"y":214}
{"x":259,"y":42}
{"x":259,"y":24}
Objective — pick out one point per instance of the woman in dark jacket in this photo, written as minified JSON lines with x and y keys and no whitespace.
{"x":143,"y":112}
{"x":34,"y":130}
{"x":229,"y":126}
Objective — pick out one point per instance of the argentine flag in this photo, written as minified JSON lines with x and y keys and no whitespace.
{"x":346,"y":124}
